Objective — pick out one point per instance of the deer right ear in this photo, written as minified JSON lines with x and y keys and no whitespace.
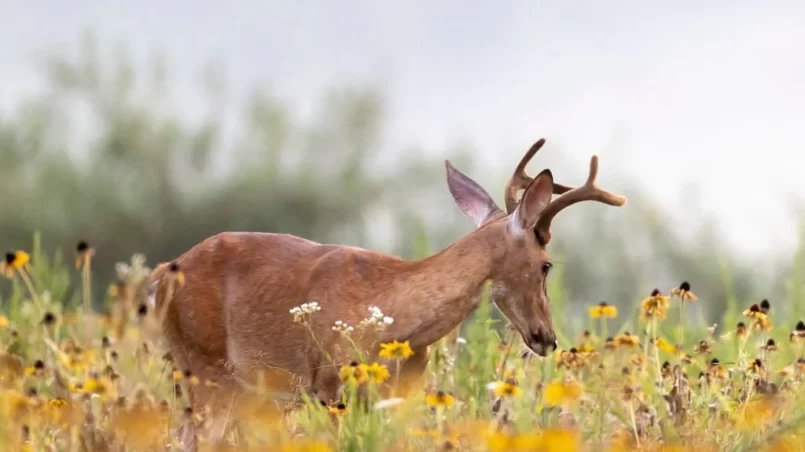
{"x":536,"y":198}
{"x":473,"y":200}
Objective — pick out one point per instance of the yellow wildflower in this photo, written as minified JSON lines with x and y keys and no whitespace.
{"x":306,"y":446}
{"x":569,"y":359}
{"x":3,"y":321}
{"x":500,"y":441}
{"x":665,"y":346}
{"x":339,"y":409}
{"x":627,"y":340}
{"x":549,"y":440}
{"x":439,"y":399}
{"x":655,"y":305}
{"x":559,"y":439}
{"x":376,"y":372}
{"x":396,"y":350}
{"x":603,"y":310}
{"x":760,"y":319}
{"x":141,"y":425}
{"x":14,"y":262}
{"x":98,"y":386}
{"x":353,"y":373}
{"x":562,"y":392}
{"x":756,"y":414}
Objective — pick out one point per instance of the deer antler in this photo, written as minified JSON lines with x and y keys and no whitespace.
{"x":587,"y":192}
{"x":520,"y":180}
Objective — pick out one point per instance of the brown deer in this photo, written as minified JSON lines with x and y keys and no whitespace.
{"x":230,"y":319}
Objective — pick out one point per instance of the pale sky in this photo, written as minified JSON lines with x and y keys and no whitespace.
{"x":710,"y":93}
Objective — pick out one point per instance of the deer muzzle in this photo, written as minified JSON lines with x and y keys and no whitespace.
{"x":542,"y":342}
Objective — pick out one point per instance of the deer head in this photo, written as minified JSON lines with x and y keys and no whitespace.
{"x":522,"y":234}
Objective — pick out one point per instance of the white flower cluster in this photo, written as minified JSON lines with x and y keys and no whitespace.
{"x":299,"y":312}
{"x":342,"y":327}
{"x":377,"y":319}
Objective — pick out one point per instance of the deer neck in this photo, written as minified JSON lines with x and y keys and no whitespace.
{"x":439,"y":292}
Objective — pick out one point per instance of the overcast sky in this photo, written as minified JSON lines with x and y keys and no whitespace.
{"x":704,"y":92}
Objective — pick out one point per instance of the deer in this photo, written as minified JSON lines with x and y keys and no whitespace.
{"x":229,"y":321}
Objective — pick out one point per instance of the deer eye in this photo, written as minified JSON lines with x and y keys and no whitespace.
{"x":546,"y":267}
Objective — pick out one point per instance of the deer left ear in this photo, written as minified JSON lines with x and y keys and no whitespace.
{"x":470,"y":197}
{"x":536,"y":198}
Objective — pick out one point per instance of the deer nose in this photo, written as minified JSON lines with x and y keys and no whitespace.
{"x":543,"y":344}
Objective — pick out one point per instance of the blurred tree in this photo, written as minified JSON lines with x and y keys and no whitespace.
{"x":104,"y":153}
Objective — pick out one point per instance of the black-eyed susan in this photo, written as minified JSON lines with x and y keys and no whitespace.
{"x":569,"y":359}
{"x":716,"y":371}
{"x":439,"y":399}
{"x":338,"y":409}
{"x":683,"y":292}
{"x":83,"y":254}
{"x":627,"y":340}
{"x":353,"y":373}
{"x":654,"y":306}
{"x":798,"y":335}
{"x":770,"y":346}
{"x":665,"y":370}
{"x":765,"y":306}
{"x":38,"y":369}
{"x":176,"y":273}
{"x":740,"y":330}
{"x":603,"y":310}
{"x":14,"y":262}
{"x":48,"y":319}
{"x":396,"y":350}
{"x":702,"y":348}
{"x":756,"y":368}
{"x":562,"y":392}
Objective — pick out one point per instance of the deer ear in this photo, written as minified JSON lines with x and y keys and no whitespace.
{"x":536,"y":197}
{"x":473,"y":200}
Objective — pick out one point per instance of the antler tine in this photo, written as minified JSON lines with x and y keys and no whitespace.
{"x":587,"y":192}
{"x":520,"y":180}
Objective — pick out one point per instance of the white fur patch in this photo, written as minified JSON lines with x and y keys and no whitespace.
{"x":152,"y":295}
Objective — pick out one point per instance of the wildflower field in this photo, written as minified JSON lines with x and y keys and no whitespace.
{"x":651,"y":377}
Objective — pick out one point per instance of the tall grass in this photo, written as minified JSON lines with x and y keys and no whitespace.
{"x":625,"y":382}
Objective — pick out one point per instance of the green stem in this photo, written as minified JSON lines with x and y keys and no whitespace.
{"x":681,"y":331}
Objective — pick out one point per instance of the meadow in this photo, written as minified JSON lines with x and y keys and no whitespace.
{"x":652,"y":377}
